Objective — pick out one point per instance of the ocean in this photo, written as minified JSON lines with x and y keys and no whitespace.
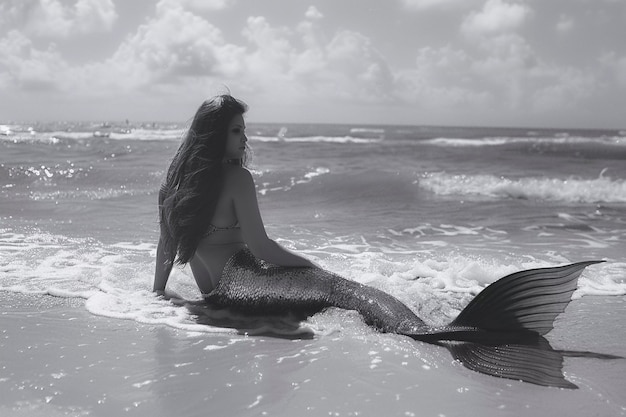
{"x":430,"y":214}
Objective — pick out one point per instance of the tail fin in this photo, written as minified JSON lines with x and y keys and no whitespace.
{"x":500,"y":332}
{"x":524,"y":301}
{"x":530,"y":360}
{"x":534,"y":361}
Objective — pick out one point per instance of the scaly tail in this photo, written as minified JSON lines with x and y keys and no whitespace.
{"x":500,"y":331}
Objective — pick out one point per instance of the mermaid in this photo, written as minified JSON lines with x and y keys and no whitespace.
{"x":209,"y":218}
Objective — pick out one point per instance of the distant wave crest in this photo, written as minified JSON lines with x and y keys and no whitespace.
{"x":601,"y":189}
{"x":504,"y":140}
{"x":315,"y":139}
{"x":54,"y":137}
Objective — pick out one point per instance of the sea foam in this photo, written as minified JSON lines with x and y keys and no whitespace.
{"x":598,"y":190}
{"x":506,"y":140}
{"x":115,"y":280}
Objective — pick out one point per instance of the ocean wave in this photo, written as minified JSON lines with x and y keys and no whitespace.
{"x":54,"y":137}
{"x":316,"y":139}
{"x":265,"y":187}
{"x":367,"y":130}
{"x":333,"y":139}
{"x":148,"y":134}
{"x":167,"y":135}
{"x":99,"y":193}
{"x":577,"y":190}
{"x":114,"y":279}
{"x":504,"y":140}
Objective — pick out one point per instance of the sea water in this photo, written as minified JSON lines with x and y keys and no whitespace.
{"x":422,"y":212}
{"x":429,"y":214}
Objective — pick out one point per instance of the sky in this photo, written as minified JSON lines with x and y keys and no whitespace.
{"x":526,"y":63}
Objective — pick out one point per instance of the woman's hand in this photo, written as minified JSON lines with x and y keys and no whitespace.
{"x":169,"y":295}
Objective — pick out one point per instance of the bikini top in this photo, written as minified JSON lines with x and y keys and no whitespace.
{"x":212,"y":228}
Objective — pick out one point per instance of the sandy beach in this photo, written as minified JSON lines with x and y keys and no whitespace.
{"x":58,"y":359}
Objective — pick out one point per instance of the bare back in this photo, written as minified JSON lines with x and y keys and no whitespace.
{"x":222,"y":242}
{"x":236,"y":224}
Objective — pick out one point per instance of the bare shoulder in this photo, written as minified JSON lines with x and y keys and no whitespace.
{"x":236,"y":173}
{"x":237,"y":178}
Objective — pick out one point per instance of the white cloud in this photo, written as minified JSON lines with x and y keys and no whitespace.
{"x":503,"y":60}
{"x":440,"y":81}
{"x":496,"y":16}
{"x":28,"y":68}
{"x":175,"y":44}
{"x":8,"y":13}
{"x":48,"y":18}
{"x":444,"y":67}
{"x":270,"y":58}
{"x":202,"y":5}
{"x":172,"y":52}
{"x":52,"y":18}
{"x":313,"y":13}
{"x":94,"y":15}
{"x":616,"y":67}
{"x":504,"y":76}
{"x":304,"y":64}
{"x":423,"y":5}
{"x":557,"y":89}
{"x":565,"y":24}
{"x":179,"y":53}
{"x":361,"y":72}
{"x":506,"y":70}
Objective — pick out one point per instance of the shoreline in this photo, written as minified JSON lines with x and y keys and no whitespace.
{"x":58,"y":359}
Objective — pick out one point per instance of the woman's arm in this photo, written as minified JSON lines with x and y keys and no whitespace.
{"x":163,"y":268}
{"x":252,"y":227}
{"x":164,"y":262}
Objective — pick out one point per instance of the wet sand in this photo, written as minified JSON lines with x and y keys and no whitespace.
{"x":58,"y":359}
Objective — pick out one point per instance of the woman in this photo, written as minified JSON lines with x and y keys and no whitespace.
{"x":208,"y":208}
{"x":210,"y":218}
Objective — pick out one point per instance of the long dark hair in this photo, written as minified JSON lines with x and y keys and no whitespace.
{"x":188,"y":196}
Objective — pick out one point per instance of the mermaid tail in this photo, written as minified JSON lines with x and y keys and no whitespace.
{"x":499,"y":333}
{"x":253,"y":286}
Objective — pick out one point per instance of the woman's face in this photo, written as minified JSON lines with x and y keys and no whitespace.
{"x":236,"y":140}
